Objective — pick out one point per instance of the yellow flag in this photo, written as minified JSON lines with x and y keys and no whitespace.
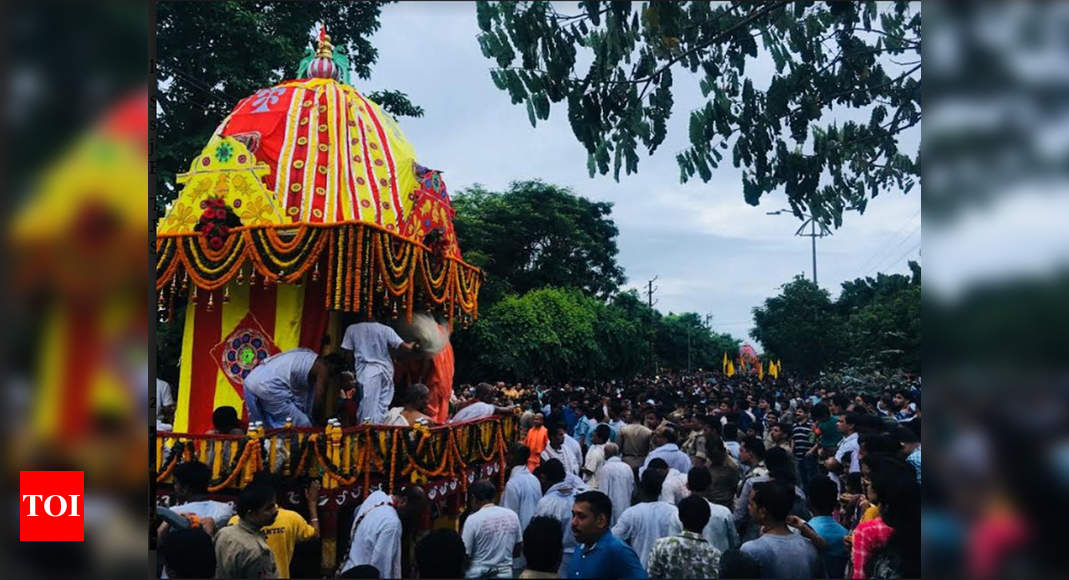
{"x":724,"y":365}
{"x":760,"y":371}
{"x":731,"y":369}
{"x":773,"y":370}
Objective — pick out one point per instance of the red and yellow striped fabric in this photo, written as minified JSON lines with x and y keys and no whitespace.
{"x":334,"y":155}
{"x":292,"y":315}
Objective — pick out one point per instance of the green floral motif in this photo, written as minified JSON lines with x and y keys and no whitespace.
{"x":223,"y":152}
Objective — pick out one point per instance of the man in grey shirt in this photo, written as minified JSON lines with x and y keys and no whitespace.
{"x":782,"y":553}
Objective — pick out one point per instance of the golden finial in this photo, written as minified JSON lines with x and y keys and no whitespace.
{"x":326,"y":49}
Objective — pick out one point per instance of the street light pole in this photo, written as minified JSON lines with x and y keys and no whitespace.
{"x":810,"y":221}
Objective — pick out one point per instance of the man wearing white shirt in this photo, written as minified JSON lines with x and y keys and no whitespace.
{"x":560,"y":448}
{"x":492,"y":534}
{"x":643,"y":524}
{"x":375,"y":538}
{"x":557,"y":503}
{"x":482,"y":407}
{"x":617,"y":480}
{"x":164,"y":406}
{"x":191,"y":480}
{"x":371,"y":344}
{"x":521,"y":494}
{"x":720,"y":530}
{"x":674,"y":487}
{"x":595,"y":456}
{"x":664,"y":440}
{"x":846,"y":458}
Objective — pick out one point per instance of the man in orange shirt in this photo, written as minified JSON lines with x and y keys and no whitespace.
{"x":536,"y":440}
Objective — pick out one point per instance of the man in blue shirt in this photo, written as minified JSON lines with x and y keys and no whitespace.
{"x":599,"y":554}
{"x":583,"y":431}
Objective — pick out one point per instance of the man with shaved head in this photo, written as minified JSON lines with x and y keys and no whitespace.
{"x":414,"y":410}
{"x":615,"y":479}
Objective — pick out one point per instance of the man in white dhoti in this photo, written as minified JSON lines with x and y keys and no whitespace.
{"x":557,"y":503}
{"x":616,"y":479}
{"x":291,"y":385}
{"x":643,"y":524}
{"x":371,"y":343}
{"x":375,"y":538}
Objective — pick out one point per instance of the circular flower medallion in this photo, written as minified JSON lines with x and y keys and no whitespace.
{"x":365,"y":203}
{"x":323,"y":147}
{"x":295,"y":187}
{"x":304,"y":120}
{"x":389,"y":227}
{"x":292,"y":211}
{"x":322,"y":169}
{"x":307,"y":103}
{"x":322,"y":108}
{"x":360,"y":181}
{"x":317,"y":212}
{"x":302,"y":140}
{"x":373,"y":145}
{"x":383,"y":182}
{"x":205,"y":161}
{"x":298,"y":164}
{"x":358,"y":159}
{"x":385,"y":205}
{"x":323,"y":127}
{"x":237,"y":203}
{"x":378,"y":162}
{"x":321,"y":191}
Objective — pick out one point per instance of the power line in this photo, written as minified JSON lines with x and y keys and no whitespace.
{"x":882,"y":252}
{"x":895,"y":262}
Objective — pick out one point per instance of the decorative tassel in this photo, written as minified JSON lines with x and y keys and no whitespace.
{"x":211,"y":304}
{"x":252,"y":277}
{"x":315,"y":273}
{"x":193,"y":297}
{"x":395,"y":310}
{"x":241,"y":276}
{"x":226,"y":294}
{"x":185,"y":280}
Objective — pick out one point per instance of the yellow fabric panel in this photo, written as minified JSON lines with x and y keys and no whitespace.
{"x":181,"y":412}
{"x":289,"y":305}
{"x":233,"y":311}
{"x":49,"y":373}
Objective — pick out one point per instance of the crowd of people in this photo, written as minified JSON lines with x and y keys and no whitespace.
{"x":696,"y":476}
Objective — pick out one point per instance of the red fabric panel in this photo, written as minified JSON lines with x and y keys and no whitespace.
{"x":207,"y":331}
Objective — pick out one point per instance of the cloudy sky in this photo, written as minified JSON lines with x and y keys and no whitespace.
{"x":712,"y":253}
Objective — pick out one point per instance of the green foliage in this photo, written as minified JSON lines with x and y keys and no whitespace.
{"x":562,"y":334}
{"x":210,"y":55}
{"x":873,"y":327}
{"x":801,"y":326}
{"x":535,"y":235}
{"x":841,"y":57}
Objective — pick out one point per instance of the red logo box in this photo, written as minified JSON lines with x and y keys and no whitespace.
{"x":51,"y":506}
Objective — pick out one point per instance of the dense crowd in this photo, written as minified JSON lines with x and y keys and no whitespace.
{"x":696,"y":476}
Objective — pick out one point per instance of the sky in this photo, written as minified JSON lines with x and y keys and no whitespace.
{"x":711,"y":252}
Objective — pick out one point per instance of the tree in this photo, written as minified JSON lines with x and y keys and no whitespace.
{"x":843,"y":57}
{"x":882,"y":321}
{"x":211,"y":55}
{"x":535,"y":235}
{"x":801,"y":326}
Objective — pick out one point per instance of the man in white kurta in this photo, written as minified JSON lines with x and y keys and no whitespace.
{"x":483,"y":407}
{"x":557,"y":503}
{"x":565,"y":449}
{"x":521,"y":494}
{"x":595,"y":455}
{"x":371,"y":343}
{"x":665,"y":440}
{"x":375,"y":537}
{"x":643,"y":524}
{"x":616,"y":480}
{"x":281,"y":388}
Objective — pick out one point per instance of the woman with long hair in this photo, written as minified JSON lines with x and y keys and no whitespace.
{"x":889,"y":545}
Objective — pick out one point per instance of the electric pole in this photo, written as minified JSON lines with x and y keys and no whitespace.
{"x":649,"y":300}
{"x":808,"y":220}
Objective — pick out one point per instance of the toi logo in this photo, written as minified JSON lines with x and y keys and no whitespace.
{"x":51,"y":506}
